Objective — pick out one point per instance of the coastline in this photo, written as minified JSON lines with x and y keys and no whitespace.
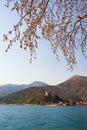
{"x":54,"y":104}
{"x":50,"y":105}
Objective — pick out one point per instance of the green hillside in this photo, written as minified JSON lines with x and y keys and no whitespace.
{"x":34,"y":95}
{"x":71,"y":91}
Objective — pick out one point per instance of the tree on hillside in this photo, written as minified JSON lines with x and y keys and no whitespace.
{"x":62,"y":22}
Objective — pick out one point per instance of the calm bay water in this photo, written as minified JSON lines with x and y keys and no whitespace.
{"x":16,"y":117}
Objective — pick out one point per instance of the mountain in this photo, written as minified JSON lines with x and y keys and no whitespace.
{"x":37,"y":84}
{"x":34,"y":95}
{"x":72,"y":91}
{"x":11,"y":88}
{"x":74,"y":87}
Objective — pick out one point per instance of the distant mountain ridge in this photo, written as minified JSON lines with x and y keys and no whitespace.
{"x":37,"y":84}
{"x":73,"y":90}
{"x":11,"y":88}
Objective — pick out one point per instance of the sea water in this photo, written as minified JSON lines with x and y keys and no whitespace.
{"x":17,"y":117}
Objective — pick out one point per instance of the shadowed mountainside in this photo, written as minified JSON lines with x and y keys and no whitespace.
{"x":33,"y":95}
{"x":74,"y":89}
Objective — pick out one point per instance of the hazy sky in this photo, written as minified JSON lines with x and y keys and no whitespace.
{"x":15,"y":67}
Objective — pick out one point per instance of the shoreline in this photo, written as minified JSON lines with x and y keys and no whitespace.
{"x":49,"y":104}
{"x":52,"y":105}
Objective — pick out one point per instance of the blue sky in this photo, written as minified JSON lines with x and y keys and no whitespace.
{"x":15,"y":67}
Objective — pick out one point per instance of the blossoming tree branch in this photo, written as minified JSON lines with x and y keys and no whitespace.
{"x":62,"y":22}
